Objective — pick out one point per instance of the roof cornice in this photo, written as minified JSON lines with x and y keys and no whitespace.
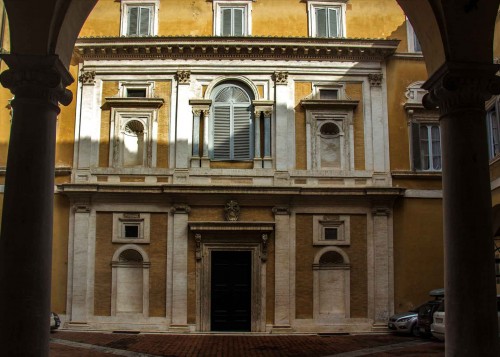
{"x":237,"y":48}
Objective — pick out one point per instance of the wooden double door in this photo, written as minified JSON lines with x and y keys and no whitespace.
{"x":231,"y":290}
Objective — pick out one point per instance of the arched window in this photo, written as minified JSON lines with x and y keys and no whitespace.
{"x":231,"y":123}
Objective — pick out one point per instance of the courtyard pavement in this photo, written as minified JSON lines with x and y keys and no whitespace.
{"x":72,"y":343}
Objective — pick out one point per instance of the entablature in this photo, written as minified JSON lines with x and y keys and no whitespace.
{"x":238,"y":48}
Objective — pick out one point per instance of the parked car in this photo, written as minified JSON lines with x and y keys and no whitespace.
{"x":405,"y":322}
{"x":426,"y":312}
{"x":55,"y":321}
{"x":438,"y":326}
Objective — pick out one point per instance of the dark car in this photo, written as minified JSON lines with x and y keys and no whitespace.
{"x":426,"y":312}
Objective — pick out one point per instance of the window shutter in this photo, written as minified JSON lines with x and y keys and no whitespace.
{"x":226,"y":22}
{"x":424,"y":147}
{"x":238,"y":22}
{"x":222,"y":132}
{"x":333,"y":22}
{"x":241,"y":133}
{"x":415,"y":145}
{"x":144,"y":24}
{"x":133,"y":13}
{"x":321,"y":30}
{"x":436,"y":147}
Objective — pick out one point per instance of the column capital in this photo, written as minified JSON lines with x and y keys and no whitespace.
{"x":281,"y":77}
{"x":87,"y":77}
{"x":375,"y":79}
{"x":458,"y":86}
{"x":183,"y":76}
{"x":381,"y":211}
{"x":38,"y":78}
{"x":281,"y":210}
{"x":180,"y":209}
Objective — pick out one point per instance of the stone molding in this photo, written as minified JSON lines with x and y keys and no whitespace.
{"x":375,"y":79}
{"x":281,"y":77}
{"x":281,"y":210}
{"x":81,"y":207}
{"x":458,"y":86}
{"x":211,"y":47}
{"x":35,"y":77}
{"x":181,"y":209}
{"x":87,"y":77}
{"x":381,"y":211}
{"x":183,"y":77}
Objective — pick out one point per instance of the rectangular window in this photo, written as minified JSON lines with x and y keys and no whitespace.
{"x":139,"y":17}
{"x":331,"y":234}
{"x":131,"y":230}
{"x":426,"y":147}
{"x":413,"y":43}
{"x":493,"y":125}
{"x":136,"y":92}
{"x":328,"y":94}
{"x":326,"y":19}
{"x":232,"y":18}
{"x":131,"y":226}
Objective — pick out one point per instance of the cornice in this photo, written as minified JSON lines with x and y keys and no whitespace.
{"x":132,"y":102}
{"x":237,"y":48}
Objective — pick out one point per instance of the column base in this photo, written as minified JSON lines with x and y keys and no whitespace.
{"x":181,"y":176}
{"x":195,"y":162}
{"x":179,"y":328}
{"x":267,"y":163}
{"x":77,"y":325}
{"x":205,"y":162}
{"x":257,"y":163}
{"x":282,"y":329}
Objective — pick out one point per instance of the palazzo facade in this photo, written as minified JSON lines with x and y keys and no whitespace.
{"x":259,"y":166}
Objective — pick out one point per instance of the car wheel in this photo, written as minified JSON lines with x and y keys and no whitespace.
{"x":415,"y":331}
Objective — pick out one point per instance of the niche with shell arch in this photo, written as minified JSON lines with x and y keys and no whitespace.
{"x":133,"y":143}
{"x":130,"y":281}
{"x":331,"y":280}
{"x":329,"y":146}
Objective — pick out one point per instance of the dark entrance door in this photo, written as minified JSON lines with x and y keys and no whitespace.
{"x":231,"y":291}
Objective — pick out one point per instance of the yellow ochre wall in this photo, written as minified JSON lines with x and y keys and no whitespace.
{"x":284,"y":18}
{"x":418,"y":251}
{"x":400,"y":74}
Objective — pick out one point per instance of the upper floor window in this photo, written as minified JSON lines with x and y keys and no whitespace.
{"x":427,"y":146}
{"x":231,"y":134}
{"x":139,"y":18}
{"x":232,"y":18}
{"x":326,"y":18}
{"x":413,"y":43}
{"x":493,"y":124}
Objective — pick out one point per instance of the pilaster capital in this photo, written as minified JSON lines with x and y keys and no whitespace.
{"x":281,"y":77}
{"x":381,"y":211}
{"x":458,"y":86}
{"x":87,"y":77}
{"x":183,"y":76}
{"x":375,"y":79}
{"x":81,"y":207}
{"x":180,"y":209}
{"x":281,"y":210}
{"x":37,"y":77}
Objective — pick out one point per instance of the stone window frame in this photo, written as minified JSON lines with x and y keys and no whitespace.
{"x":119,"y":119}
{"x":345,"y":267}
{"x":115,"y":265}
{"x":341,"y":222}
{"x":417,"y":116}
{"x":341,"y":5}
{"x":124,"y":86}
{"x":339,"y":87}
{"x":153,"y":25}
{"x":120,"y":220}
{"x":219,"y":5}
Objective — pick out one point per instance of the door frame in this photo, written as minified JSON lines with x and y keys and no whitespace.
{"x":204,"y":278}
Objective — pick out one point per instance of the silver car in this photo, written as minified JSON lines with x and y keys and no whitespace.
{"x":405,"y":322}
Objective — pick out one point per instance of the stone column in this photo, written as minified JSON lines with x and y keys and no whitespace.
{"x":184,"y":127}
{"x":200,"y":108}
{"x":381,"y":267}
{"x":79,"y":263}
{"x":38,"y":84}
{"x":195,"y":153}
{"x":179,"y":268}
{"x":257,"y":156}
{"x":264,"y":108}
{"x":282,"y":270}
{"x":460,"y":90}
{"x":267,"y":160}
{"x":205,"y":159}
